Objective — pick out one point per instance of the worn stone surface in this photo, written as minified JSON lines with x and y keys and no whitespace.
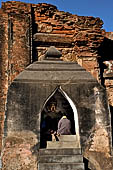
{"x":47,"y":152}
{"x":18,"y":151}
{"x":98,"y":164}
{"x":61,"y":144}
{"x":62,"y":166}
{"x":60,"y":159}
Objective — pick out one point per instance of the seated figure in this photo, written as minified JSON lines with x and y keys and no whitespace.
{"x":64,"y":126}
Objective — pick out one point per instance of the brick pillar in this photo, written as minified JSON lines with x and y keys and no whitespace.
{"x":3,"y":68}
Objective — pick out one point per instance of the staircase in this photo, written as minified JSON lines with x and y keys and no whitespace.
{"x":65,"y":141}
{"x":60,"y":159}
{"x":64,"y":154}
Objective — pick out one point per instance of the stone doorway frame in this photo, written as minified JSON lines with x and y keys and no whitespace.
{"x":72,"y":105}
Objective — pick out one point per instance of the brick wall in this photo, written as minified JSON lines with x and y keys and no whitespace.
{"x":77,"y":37}
{"x":15,"y":48}
{"x":3,"y":66}
{"x":19,"y":49}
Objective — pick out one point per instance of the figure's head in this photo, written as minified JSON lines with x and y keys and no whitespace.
{"x":64,"y":116}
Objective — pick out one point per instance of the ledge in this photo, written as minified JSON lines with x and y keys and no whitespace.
{"x":55,"y":38}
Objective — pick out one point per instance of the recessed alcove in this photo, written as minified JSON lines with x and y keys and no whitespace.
{"x":54,"y":107}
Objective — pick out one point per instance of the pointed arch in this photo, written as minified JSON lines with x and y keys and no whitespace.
{"x":71,"y":105}
{"x":74,"y":111}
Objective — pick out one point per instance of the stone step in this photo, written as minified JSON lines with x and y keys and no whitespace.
{"x":61,"y":144}
{"x":70,"y":151}
{"x":62,"y":166}
{"x":61,"y":159}
{"x":69,"y":138}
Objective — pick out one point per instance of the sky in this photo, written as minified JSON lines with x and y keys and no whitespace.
{"x":96,"y":8}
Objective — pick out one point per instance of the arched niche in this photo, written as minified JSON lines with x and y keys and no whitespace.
{"x":54,"y":107}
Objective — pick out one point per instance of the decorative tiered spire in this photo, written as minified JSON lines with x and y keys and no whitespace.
{"x":53,"y":53}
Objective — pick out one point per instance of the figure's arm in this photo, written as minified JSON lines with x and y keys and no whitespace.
{"x":69,"y":124}
{"x":59,"y":124}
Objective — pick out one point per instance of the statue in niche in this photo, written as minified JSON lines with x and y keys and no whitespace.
{"x":49,"y":122}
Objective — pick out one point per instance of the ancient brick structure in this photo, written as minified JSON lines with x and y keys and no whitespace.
{"x":27,"y":31}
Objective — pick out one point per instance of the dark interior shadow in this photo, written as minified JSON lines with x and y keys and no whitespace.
{"x":34,"y":30}
{"x":105,"y":51}
{"x":86,"y":163}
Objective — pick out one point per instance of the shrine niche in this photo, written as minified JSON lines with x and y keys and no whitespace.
{"x":55,"y":106}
